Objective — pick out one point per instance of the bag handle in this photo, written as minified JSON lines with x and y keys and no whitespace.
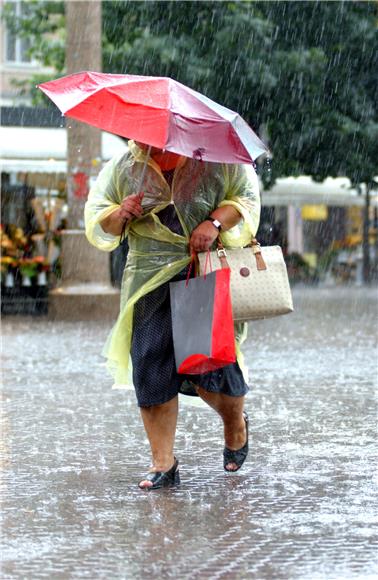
{"x":256,"y":249}
{"x":222,"y":255}
{"x":193,"y":261}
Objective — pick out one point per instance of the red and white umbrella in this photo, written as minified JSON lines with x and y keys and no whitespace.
{"x":158,"y":111}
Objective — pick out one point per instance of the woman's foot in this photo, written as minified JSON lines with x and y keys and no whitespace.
{"x":158,"y":479}
{"x":235,"y":454}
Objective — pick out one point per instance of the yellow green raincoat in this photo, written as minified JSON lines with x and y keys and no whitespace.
{"x":156,"y":254}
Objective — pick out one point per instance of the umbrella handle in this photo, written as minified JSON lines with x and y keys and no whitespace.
{"x":148,"y":154}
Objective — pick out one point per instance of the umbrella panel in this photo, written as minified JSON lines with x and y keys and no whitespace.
{"x":133,"y":121}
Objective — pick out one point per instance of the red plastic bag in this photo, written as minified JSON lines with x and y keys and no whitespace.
{"x":202,"y":323}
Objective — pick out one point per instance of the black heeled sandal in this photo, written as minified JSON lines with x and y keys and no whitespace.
{"x":237,"y":456}
{"x":161,"y":479}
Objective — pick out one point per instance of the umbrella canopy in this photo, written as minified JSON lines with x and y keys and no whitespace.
{"x":157,"y":111}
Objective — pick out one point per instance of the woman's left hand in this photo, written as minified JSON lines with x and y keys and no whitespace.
{"x":203,"y":237}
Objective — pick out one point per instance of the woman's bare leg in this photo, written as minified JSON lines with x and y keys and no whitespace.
{"x":231,"y":411}
{"x":160,"y":424}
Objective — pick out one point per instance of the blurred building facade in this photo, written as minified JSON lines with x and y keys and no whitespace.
{"x":16,"y":65}
{"x":320,"y":226}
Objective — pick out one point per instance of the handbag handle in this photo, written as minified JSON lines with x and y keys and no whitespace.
{"x":256,"y":249}
{"x":193,"y":261}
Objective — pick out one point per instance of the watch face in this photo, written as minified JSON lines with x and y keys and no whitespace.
{"x":217,"y":224}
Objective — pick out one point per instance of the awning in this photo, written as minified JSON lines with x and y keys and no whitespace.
{"x":34,"y":149}
{"x":302,"y":190}
{"x":33,"y":166}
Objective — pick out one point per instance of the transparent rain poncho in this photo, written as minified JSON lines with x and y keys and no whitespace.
{"x":156,"y":254}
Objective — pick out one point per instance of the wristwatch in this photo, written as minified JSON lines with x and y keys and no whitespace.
{"x":215,"y":223}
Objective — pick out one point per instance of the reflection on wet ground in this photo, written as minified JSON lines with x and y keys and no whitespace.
{"x":303,"y":507}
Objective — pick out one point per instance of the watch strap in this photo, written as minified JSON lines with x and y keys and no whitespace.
{"x":216,"y":223}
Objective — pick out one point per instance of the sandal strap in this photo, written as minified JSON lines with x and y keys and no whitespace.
{"x":163,"y":478}
{"x":237,"y":456}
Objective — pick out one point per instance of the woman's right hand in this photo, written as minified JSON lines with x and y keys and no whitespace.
{"x":131,"y":207}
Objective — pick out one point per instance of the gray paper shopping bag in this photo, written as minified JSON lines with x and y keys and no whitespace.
{"x":202,"y":323}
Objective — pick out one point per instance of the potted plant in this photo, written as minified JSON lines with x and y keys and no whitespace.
{"x":28,"y":270}
{"x":8,"y":270}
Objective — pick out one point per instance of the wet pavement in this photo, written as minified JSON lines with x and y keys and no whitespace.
{"x":303,"y":507}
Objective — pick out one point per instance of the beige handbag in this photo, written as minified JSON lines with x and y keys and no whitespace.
{"x":259,"y":281}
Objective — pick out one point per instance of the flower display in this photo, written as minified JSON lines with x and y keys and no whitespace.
{"x":29,"y":263}
{"x":7,"y":263}
{"x":28,"y":267}
{"x":17,"y":256}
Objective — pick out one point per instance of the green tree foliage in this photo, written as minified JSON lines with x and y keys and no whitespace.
{"x":328,"y":88}
{"x":43,"y":25}
{"x":303,"y":74}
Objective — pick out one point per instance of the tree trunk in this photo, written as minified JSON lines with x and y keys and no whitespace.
{"x":366,"y":267}
{"x":83,"y":52}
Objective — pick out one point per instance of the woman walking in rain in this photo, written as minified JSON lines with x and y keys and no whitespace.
{"x":185,"y":205}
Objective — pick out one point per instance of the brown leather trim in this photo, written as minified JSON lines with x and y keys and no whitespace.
{"x":260,"y":263}
{"x":223,"y":262}
{"x":256,"y":249}
{"x":222,"y":259}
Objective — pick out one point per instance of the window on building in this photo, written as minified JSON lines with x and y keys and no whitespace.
{"x":16,"y":48}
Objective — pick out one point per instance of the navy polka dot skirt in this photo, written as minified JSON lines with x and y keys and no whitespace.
{"x":155,"y":377}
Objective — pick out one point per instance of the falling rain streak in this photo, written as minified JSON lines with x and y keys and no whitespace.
{"x":304,"y":76}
